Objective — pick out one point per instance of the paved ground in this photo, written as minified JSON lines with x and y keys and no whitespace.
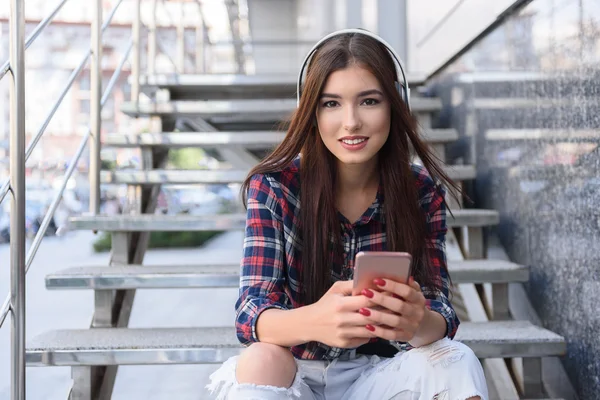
{"x":152,"y":308}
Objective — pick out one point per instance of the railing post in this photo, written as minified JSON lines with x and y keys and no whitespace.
{"x":152,"y":41}
{"x":95,"y":106}
{"x":17,"y":203}
{"x":202,"y":43}
{"x":181,"y":40}
{"x":135,"y":65}
{"x":200,"y":68}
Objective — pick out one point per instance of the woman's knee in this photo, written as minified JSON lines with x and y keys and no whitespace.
{"x":457,"y":365}
{"x":266,"y":364}
{"x":465,"y":355}
{"x":443,"y":353}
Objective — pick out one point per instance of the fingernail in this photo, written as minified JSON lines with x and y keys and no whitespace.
{"x":368,"y":293}
{"x":379,"y":282}
{"x":364,"y":312}
{"x":370,"y":327}
{"x":411,"y":280}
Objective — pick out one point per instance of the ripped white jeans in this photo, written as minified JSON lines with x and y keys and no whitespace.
{"x":444,"y":370}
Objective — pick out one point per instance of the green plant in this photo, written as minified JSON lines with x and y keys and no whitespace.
{"x":187,"y":158}
{"x":163,"y":240}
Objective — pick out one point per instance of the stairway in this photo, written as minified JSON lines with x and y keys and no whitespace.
{"x":236,"y":115}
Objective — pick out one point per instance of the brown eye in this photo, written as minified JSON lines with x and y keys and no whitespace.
{"x":371,"y":102}
{"x":330,"y":104}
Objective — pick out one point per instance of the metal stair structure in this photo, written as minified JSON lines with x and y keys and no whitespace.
{"x":237,"y":116}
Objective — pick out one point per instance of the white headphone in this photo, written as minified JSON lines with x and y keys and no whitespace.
{"x":401,"y":83}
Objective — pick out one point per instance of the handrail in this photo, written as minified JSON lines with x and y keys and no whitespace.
{"x":440,"y":23}
{"x":20,"y":262}
{"x":111,"y":14}
{"x":41,"y":131}
{"x":72,"y":165}
{"x":5,"y":188}
{"x":17,"y":204}
{"x":517,"y":6}
{"x":41,"y":26}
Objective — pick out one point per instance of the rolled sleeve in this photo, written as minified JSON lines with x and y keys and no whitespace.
{"x":262,"y":270}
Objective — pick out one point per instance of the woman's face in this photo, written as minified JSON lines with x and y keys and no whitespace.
{"x":353,"y":115}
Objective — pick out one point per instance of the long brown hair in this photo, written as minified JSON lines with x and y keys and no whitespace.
{"x":320,"y":227}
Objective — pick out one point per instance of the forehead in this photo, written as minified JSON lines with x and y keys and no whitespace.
{"x":351,"y":80}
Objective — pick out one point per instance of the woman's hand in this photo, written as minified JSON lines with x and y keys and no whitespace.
{"x":401,"y":309}
{"x":338,"y":319}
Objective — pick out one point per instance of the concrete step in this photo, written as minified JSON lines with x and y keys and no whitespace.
{"x":231,"y":111}
{"x":557,"y":172}
{"x":221,"y":86}
{"x":225,"y":86}
{"x":249,"y":140}
{"x":125,"y":346}
{"x":472,"y":217}
{"x":227,"y":276}
{"x":179,"y":177}
{"x":227,"y":222}
{"x":440,"y":136}
{"x":173,"y":177}
{"x":159,"y":223}
{"x":541,"y":135}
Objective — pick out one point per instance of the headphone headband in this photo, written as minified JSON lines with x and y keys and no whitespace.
{"x":400,"y":75}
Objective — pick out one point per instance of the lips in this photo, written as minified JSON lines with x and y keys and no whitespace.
{"x":354,"y":143}
{"x":353,"y":139}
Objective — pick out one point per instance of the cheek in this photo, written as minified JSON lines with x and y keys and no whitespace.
{"x":328,"y":124}
{"x":379,"y":123}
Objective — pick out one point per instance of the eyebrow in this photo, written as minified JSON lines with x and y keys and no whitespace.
{"x":361,"y":94}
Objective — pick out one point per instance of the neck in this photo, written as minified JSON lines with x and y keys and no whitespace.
{"x":357,"y":178}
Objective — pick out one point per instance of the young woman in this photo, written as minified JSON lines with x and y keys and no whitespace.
{"x":342,"y":182}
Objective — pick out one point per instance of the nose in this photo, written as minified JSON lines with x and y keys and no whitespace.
{"x":351,"y":120}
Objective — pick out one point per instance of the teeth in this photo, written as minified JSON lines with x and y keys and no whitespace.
{"x":354,"y":141}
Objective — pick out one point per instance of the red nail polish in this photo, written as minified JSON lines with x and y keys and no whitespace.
{"x":370,"y":327}
{"x":379,"y":282}
{"x":365,"y":312}
{"x":368,"y":293}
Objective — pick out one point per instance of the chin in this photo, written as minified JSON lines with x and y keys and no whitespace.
{"x":354,"y":159}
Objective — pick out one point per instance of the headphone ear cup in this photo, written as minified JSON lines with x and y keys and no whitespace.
{"x":401,"y":91}
{"x":404,"y":93}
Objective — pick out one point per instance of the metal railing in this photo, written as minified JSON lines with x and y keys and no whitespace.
{"x":15,"y":68}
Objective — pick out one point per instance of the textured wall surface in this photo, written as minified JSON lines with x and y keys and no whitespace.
{"x":526,"y":102}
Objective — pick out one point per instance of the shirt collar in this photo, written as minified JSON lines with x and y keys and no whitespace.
{"x":373,"y":213}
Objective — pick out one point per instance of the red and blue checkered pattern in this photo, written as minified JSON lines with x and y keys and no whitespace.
{"x":271,"y":265}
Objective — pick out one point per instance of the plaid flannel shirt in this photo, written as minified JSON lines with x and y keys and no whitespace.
{"x":271,"y":264}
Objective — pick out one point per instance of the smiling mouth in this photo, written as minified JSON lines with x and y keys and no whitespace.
{"x":353,"y":141}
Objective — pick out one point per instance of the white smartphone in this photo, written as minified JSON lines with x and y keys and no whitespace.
{"x":370,"y":265}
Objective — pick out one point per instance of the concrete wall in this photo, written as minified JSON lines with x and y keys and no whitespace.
{"x":436,"y":29}
{"x":525,"y":101}
{"x":274,"y":20}
{"x":306,"y":21}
